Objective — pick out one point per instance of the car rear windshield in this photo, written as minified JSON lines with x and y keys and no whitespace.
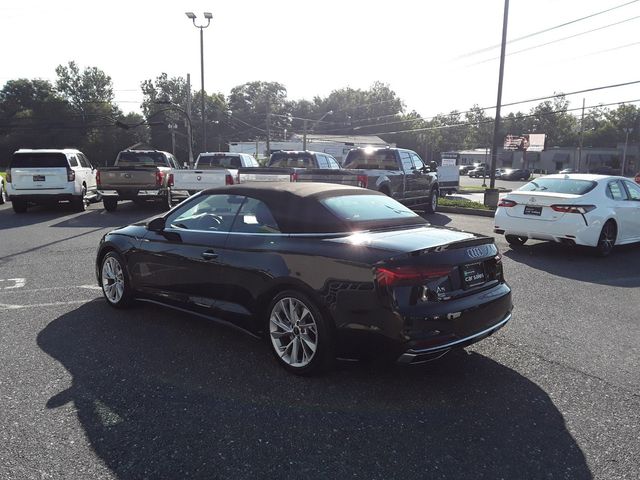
{"x":142,"y":158}
{"x":301,"y":160}
{"x":371,"y":210}
{"x":219,"y":161}
{"x":559,"y":185}
{"x":375,"y":160}
{"x":38,"y":160}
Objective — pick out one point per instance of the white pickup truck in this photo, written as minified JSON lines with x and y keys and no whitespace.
{"x":211,"y":169}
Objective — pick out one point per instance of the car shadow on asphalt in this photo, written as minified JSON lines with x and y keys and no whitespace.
{"x":619,"y":269}
{"x":165,"y":395}
{"x":94,"y":216}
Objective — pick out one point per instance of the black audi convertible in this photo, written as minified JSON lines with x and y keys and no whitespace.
{"x":320,"y":270}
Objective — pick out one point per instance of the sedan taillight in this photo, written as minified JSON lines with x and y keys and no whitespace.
{"x":573,"y":208}
{"x":507,"y":203}
{"x":409,"y":274}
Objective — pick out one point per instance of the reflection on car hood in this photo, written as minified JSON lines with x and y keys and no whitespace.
{"x":410,"y":239}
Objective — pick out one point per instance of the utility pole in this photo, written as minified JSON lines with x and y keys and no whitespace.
{"x":492,"y":198}
{"x":304,"y":135}
{"x":627,"y":131}
{"x":173,"y":127}
{"x":268,"y":129}
{"x":578,"y":166}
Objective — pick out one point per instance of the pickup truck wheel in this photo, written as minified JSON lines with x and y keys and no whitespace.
{"x":169,"y":199}
{"x":3,"y":194}
{"x":19,"y":206}
{"x":110,"y":203}
{"x":386,"y":191}
{"x":433,"y":205}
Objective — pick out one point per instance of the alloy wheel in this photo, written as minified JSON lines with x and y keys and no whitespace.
{"x":607,"y":239}
{"x":112,"y":280}
{"x":293,"y":332}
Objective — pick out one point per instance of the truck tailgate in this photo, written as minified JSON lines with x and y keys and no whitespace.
{"x":114,"y":178}
{"x":200,"y":179}
{"x":265,"y":175}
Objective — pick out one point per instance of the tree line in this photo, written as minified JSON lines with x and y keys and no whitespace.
{"x":79,"y":110}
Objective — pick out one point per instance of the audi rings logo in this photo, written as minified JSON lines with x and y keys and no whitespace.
{"x":477,"y":252}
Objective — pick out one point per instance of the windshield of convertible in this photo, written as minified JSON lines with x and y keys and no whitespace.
{"x":371,"y":211}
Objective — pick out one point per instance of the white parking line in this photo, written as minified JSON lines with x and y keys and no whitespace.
{"x":17,"y":283}
{"x":45,"y":289}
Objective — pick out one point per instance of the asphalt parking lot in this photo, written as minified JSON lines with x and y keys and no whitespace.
{"x":90,"y":392}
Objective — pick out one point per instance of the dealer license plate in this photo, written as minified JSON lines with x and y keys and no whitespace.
{"x":473,"y":275}
{"x":38,"y":178}
{"x":529,"y":210}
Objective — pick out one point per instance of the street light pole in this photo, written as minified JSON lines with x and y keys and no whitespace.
{"x":208,"y":17}
{"x":627,"y":131}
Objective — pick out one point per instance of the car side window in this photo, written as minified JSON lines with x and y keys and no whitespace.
{"x":615,"y":191}
{"x":206,"y":213}
{"x":322,"y":161}
{"x":73,"y":161}
{"x":333,"y":163}
{"x":417,"y":161}
{"x":83,"y":161}
{"x":633,"y":189}
{"x":255,"y":217}
{"x":407,"y":164}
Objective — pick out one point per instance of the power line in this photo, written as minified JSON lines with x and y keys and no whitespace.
{"x":558,"y":40}
{"x":442,"y":127}
{"x":539,"y":32}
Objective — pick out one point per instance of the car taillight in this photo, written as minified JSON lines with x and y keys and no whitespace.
{"x":228,"y":179}
{"x":362,"y":181}
{"x":159,"y":178}
{"x":170,"y":181}
{"x":98,"y":177}
{"x":293,"y":177}
{"x":507,"y":203}
{"x":8,"y":176}
{"x":71,"y":175}
{"x":573,"y":208}
{"x":409,"y":274}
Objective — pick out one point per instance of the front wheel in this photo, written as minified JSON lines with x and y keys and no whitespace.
{"x":607,"y":239}
{"x":114,"y":281}
{"x":299,"y":334}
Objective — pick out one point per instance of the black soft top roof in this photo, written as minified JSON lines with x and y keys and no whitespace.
{"x":296,"y":206}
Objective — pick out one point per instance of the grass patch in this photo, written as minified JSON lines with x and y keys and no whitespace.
{"x":460,"y":202}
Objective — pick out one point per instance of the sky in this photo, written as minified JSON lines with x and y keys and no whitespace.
{"x":425,"y":50}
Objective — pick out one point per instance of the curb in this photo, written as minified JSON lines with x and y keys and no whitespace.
{"x":466,"y":211}
{"x":469,"y":192}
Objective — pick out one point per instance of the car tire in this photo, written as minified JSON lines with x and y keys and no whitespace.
{"x":79,"y":203}
{"x":110,"y":204}
{"x":114,"y":281}
{"x":432,"y":206}
{"x":3,"y":193}
{"x":299,"y":334}
{"x":19,"y":206}
{"x":168,"y":200}
{"x":607,"y":239}
{"x":515,"y":240}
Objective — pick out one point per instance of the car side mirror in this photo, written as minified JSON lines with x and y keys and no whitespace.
{"x":156,"y":224}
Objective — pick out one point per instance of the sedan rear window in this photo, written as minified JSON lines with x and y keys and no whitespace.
{"x":376,"y":209}
{"x":559,"y":185}
{"x":38,"y":160}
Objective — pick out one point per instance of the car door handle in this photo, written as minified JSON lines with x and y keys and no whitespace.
{"x":209,"y":255}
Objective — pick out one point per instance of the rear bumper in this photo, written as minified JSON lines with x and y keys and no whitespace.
{"x":433,"y":353}
{"x":132,"y":194}
{"x":571,"y":227}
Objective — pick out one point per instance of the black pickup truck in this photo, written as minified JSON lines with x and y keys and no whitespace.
{"x":397,"y":172}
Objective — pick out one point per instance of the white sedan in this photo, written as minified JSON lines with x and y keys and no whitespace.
{"x":577,"y":209}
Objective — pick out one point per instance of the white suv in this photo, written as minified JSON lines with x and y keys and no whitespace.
{"x":44,"y":176}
